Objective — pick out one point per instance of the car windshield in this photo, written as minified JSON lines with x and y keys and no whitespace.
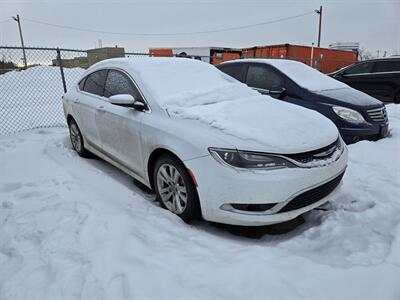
{"x":187,"y":82}
{"x":306,"y":76}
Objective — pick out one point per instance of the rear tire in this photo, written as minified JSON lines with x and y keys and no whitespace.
{"x":175,"y":189}
{"x":76,"y":139}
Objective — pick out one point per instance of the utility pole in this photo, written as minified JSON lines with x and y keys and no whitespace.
{"x":319,"y":12}
{"x":22,"y":40}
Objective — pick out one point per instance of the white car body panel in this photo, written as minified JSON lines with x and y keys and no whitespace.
{"x":126,"y":138}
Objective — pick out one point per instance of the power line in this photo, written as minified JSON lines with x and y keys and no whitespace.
{"x":6,"y":20}
{"x":170,"y":34}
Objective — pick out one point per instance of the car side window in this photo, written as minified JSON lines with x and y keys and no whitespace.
{"x":387,"y":66}
{"x":360,"y":68}
{"x":118,"y":83}
{"x":94,"y":83}
{"x":82,"y":84}
{"x":263,"y":77}
{"x":233,"y":70}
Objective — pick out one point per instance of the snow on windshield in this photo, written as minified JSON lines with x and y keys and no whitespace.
{"x":187,"y":82}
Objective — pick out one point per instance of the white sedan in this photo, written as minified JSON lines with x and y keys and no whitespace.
{"x":209,"y":146}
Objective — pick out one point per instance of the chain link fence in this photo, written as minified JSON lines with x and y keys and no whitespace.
{"x":30,"y":93}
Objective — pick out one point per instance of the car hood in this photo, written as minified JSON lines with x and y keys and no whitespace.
{"x":350,"y":96}
{"x":261,"y":123}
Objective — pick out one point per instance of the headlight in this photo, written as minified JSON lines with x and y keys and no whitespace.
{"x":348,"y":114}
{"x":249,"y":160}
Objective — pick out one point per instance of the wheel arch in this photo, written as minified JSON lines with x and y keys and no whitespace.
{"x":70,"y":118}
{"x":151,"y":162}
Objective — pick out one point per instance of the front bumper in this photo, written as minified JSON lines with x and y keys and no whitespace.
{"x":367,"y":132}
{"x":220,"y":185}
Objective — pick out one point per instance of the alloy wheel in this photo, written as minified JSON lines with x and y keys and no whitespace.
{"x":76,"y":139}
{"x":172,"y":188}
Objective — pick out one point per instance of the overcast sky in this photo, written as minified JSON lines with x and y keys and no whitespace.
{"x":375,"y":24}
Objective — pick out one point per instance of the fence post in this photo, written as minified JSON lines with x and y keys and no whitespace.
{"x":59,"y":61}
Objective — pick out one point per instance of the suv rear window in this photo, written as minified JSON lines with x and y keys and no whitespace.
{"x":387,"y":66}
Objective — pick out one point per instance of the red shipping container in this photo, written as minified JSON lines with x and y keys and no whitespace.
{"x":324,"y":59}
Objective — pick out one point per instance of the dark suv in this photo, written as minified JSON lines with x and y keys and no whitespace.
{"x":379,"y":78}
{"x":357,"y":115}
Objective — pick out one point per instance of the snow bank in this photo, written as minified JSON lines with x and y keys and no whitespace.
{"x":72,"y":228}
{"x":32,"y":98}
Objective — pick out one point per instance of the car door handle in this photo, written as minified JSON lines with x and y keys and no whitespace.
{"x":76,"y":100}
{"x":100,"y":108}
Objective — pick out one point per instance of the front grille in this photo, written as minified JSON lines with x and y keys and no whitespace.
{"x":319,"y":154}
{"x":378,"y":114}
{"x":313,"y":195}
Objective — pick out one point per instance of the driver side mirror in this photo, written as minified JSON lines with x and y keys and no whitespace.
{"x":122,"y":99}
{"x":277,"y":91}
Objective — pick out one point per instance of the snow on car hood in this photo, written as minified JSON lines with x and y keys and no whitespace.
{"x":261,"y":123}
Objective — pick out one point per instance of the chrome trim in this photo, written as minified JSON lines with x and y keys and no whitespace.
{"x":378,"y":114}
{"x":359,"y":74}
{"x":387,"y":72}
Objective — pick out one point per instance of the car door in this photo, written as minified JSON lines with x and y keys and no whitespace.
{"x":86,"y":102}
{"x":119,"y":126}
{"x":360,"y":77}
{"x":386,"y":75}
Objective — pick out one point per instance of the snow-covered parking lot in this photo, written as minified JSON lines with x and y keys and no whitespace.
{"x":72,"y":228}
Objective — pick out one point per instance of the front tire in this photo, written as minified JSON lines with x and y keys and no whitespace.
{"x":175,"y":189}
{"x":76,"y":139}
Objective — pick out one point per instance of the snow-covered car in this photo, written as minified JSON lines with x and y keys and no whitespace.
{"x":358,"y":116}
{"x":208,"y":145}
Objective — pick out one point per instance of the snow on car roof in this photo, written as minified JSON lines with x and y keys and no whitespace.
{"x":182,"y":81}
{"x":302,"y":74}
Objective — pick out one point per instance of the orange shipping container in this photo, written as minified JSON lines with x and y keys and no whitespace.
{"x":324,"y":59}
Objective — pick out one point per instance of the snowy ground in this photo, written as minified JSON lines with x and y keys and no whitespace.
{"x":73,"y":228}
